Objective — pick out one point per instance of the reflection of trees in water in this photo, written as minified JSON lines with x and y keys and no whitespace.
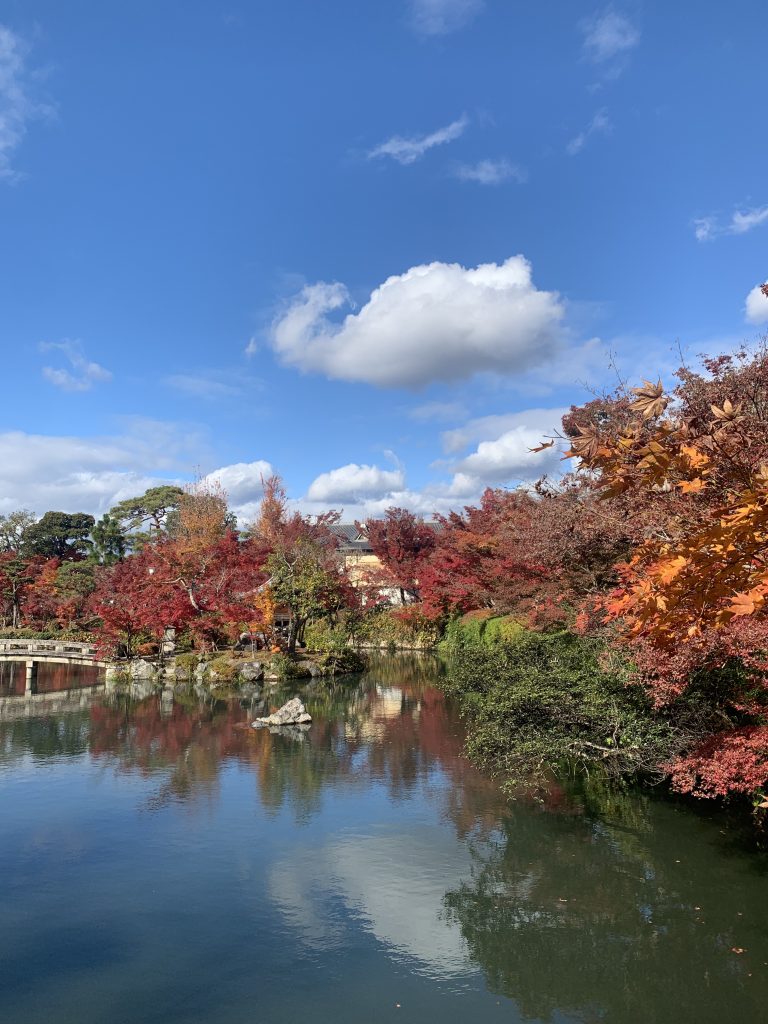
{"x":51,"y":677}
{"x":391,"y":725}
{"x":593,"y":919}
{"x":12,"y":678}
{"x":45,"y":737}
{"x":411,"y":670}
{"x":183,"y":746}
{"x":627,"y":946}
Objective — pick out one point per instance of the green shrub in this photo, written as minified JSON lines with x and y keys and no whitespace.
{"x":187,"y":661}
{"x":466,"y":632}
{"x":502,"y":629}
{"x":224,"y":669}
{"x":323,"y":637}
{"x":342,"y":662}
{"x":23,"y":633}
{"x":185,"y":642}
{"x":536,"y":701}
{"x":398,"y":628}
{"x":282,"y":666}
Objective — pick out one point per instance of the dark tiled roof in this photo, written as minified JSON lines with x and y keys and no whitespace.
{"x":346,"y":531}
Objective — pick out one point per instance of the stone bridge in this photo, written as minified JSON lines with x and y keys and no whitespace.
{"x":57,"y":652}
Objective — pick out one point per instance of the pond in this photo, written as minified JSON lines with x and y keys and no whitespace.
{"x":165,"y":863}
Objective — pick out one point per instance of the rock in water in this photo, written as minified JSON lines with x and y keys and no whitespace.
{"x":292,"y":713}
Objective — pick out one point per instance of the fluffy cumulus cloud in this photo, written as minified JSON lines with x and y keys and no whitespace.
{"x":439,"y":17}
{"x":69,"y":474}
{"x":609,"y":35}
{"x":503,"y":454}
{"x":435,"y":322}
{"x":354,"y":483}
{"x":409,"y":150}
{"x":491,"y":172}
{"x":757,"y":306}
{"x":509,"y":458}
{"x":537,"y":422}
{"x":242,"y":481}
{"x":80,"y":374}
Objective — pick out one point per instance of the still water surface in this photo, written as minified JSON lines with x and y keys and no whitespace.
{"x":163,"y":863}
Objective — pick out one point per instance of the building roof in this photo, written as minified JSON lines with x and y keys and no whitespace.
{"x":350,"y":538}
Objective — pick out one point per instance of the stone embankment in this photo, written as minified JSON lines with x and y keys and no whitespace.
{"x":224,"y":675}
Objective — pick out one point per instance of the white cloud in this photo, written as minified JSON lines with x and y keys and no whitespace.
{"x":354,"y":483}
{"x":599,"y":125}
{"x":242,"y":481}
{"x":509,"y":458}
{"x":609,"y":35}
{"x":742,"y":221}
{"x":704,"y":228}
{"x":439,"y":17}
{"x":407,"y":921}
{"x":438,"y":321}
{"x":489,"y":428}
{"x":491,"y":172}
{"x":77,"y":474}
{"x":86,"y":373}
{"x":408,"y":151}
{"x":434,"y":498}
{"x":16,"y":107}
{"x":757,"y":306}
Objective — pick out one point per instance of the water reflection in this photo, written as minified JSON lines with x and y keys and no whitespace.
{"x":364,"y":731}
{"x":364,"y":857}
{"x":51,"y":677}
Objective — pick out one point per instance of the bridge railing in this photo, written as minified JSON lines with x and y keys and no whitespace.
{"x":52,"y":648}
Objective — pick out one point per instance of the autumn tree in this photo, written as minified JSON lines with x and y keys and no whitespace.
{"x":306,"y":574}
{"x":482,"y":559}
{"x":194,"y":575}
{"x":308,"y":579}
{"x":691,"y":598}
{"x":402,"y":542}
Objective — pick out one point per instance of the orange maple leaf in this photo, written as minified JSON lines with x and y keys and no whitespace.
{"x":651,"y":400}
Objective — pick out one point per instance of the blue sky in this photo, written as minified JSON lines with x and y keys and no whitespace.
{"x":375,"y":246}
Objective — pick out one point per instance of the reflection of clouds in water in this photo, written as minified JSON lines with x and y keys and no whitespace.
{"x":393,"y":884}
{"x":301,"y":888}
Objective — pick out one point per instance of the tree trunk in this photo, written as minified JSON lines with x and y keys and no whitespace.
{"x":292,"y":636}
